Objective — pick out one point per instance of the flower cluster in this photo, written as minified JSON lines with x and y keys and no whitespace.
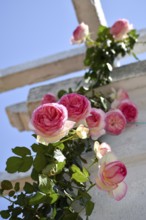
{"x":52,"y":121}
{"x":69,"y":125}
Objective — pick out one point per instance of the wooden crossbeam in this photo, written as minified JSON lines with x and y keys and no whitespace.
{"x":42,"y":69}
{"x":51,"y":67}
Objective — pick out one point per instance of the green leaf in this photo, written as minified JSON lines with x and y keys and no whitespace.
{"x":53,"y":197}
{"x":17,"y":187}
{"x":6,"y":185}
{"x":61,"y":93}
{"x":59,"y":145}
{"x":39,"y":162}
{"x":34,"y":175}
{"x":26,"y":164}
{"x":38,"y":198}
{"x":21,"y":151}
{"x":17,"y":164}
{"x":28,"y":188}
{"x":11,"y":193}
{"x":89,"y":208}
{"x":45,"y":184}
{"x":78,"y":175}
{"x":5,"y":214}
{"x":69,"y":216}
{"x":13,"y":164}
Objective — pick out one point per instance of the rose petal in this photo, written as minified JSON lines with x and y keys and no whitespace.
{"x":57,"y":135}
{"x":120,"y":191}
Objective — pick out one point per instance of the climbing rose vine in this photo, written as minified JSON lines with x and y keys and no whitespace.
{"x":69,"y":125}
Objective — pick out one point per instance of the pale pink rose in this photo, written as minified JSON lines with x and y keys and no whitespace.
{"x":78,"y":106}
{"x":110,"y":177}
{"x":120,"y":95}
{"x":101,"y":149}
{"x":48,"y":98}
{"x":129,"y":110}
{"x":120,"y":29}
{"x":80,"y":34}
{"x":96,"y":123}
{"x":115,"y":122}
{"x":50,"y":123}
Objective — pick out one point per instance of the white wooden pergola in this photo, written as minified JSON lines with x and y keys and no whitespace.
{"x":130,"y":146}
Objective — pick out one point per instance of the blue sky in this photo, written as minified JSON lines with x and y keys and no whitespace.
{"x":35,"y":29}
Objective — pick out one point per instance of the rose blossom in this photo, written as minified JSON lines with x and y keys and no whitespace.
{"x":111,"y":175}
{"x":120,"y":29}
{"x":96,"y":123}
{"x":129,"y":110}
{"x":80,"y":34}
{"x":48,"y":98}
{"x":78,"y":106}
{"x":101,"y":149}
{"x":120,"y":95}
{"x":115,"y":122}
{"x":50,"y":122}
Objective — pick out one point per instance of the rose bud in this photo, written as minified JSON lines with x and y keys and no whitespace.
{"x":120,"y":29}
{"x":101,"y":149}
{"x":80,"y":34}
{"x":48,"y":98}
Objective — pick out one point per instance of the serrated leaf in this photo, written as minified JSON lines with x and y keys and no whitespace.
{"x":26,"y":164}
{"x":45,"y":184}
{"x":11,"y":193}
{"x":38,"y":198}
{"x":21,"y":151}
{"x":28,"y":188}
{"x":39,"y":162}
{"x":53,"y":197}
{"x":17,"y":164}
{"x":70,"y":216}
{"x":17,"y":187}
{"x":6,"y":185}
{"x":61,"y":93}
{"x":13,"y":164}
{"x":78,"y":175}
{"x":89,"y":208}
{"x":4,"y":214}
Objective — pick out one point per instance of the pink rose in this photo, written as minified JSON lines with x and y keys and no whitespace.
{"x":48,"y":98}
{"x":111,"y":175}
{"x":120,"y":95}
{"x":115,"y":122}
{"x":96,"y":123}
{"x":50,"y":122}
{"x":129,"y":110}
{"x":80,"y":34}
{"x":101,"y":149}
{"x":120,"y":29}
{"x":78,"y":106}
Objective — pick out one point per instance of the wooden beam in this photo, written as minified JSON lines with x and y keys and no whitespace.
{"x":51,"y":67}
{"x":42,"y":69}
